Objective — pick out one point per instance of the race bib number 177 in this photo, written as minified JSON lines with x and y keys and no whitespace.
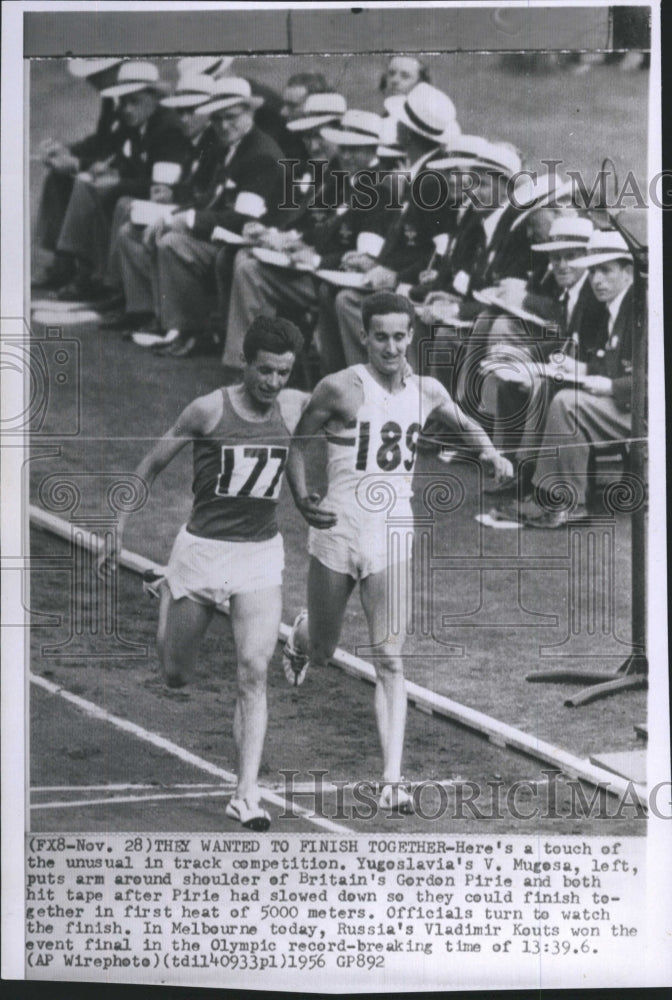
{"x":251,"y":471}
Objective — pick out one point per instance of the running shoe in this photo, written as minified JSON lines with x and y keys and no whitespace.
{"x":249,"y":814}
{"x":294,"y":660}
{"x":394,"y":798}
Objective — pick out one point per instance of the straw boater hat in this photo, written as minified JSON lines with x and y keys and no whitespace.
{"x":229,"y":90}
{"x":427,"y":111}
{"x":166,"y":173}
{"x":533,"y":193}
{"x":100,"y":73}
{"x":190,"y":92}
{"x":603,"y":246}
{"x":134,"y":77}
{"x":318,"y":109}
{"x":90,"y":67}
{"x":469,"y":151}
{"x":356,"y":128}
{"x":567,"y":233}
{"x":389,"y":147}
{"x":212,"y":66}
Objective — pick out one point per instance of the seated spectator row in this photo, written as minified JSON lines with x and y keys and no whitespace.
{"x":194,"y":209}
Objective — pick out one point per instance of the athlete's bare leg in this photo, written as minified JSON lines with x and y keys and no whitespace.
{"x":182,"y":625}
{"x":385,"y":609}
{"x":328,"y":593}
{"x":255,"y":619}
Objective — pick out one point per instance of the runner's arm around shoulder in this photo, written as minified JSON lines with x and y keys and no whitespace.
{"x":444,"y":407}
{"x":325,"y":404}
{"x":191,"y":423}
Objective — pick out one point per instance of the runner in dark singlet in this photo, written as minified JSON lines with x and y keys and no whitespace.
{"x":230,"y":549}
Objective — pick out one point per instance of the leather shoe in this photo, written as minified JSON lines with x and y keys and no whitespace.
{"x":185,"y":347}
{"x":554,"y":519}
{"x":153,"y":337}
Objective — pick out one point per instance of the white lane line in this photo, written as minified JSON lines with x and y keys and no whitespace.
{"x":116,"y":799}
{"x":125,"y":787}
{"x":499,"y":733}
{"x":96,"y":712}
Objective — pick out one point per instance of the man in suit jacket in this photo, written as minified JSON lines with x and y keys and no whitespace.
{"x":518,"y":392}
{"x":65,"y":161}
{"x":152,"y":134}
{"x":426,"y":123}
{"x":599,"y":411}
{"x":248,"y":186}
{"x":343,"y":230}
{"x":136,"y":246}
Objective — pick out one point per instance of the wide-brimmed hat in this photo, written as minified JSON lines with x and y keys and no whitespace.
{"x":164,"y":172}
{"x":604,"y":245}
{"x":389,"y":146}
{"x":319,"y":109}
{"x":469,"y":151}
{"x":135,"y":76}
{"x":90,"y":67}
{"x":209,"y":65}
{"x":190,"y":92}
{"x":566,"y":233}
{"x":229,"y":90}
{"x":427,"y":111}
{"x":536,"y":192}
{"x":356,"y":128}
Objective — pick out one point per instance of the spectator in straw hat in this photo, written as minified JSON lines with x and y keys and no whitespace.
{"x":137,"y":246}
{"x":348,"y":235}
{"x":477,"y":171}
{"x":63,"y":161}
{"x":153,"y":134}
{"x":598,"y":411}
{"x":308,"y":203}
{"x":564,"y":338}
{"x":247,"y":186}
{"x":267,"y":116}
{"x":425,"y":122}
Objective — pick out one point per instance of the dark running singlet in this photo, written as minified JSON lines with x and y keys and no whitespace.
{"x":238,"y":471}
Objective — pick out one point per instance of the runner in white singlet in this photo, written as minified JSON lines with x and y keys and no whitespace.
{"x":362,"y":529}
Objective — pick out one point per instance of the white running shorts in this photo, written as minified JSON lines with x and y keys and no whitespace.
{"x":209,"y":571}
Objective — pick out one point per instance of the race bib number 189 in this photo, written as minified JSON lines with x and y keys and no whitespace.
{"x":251,"y":471}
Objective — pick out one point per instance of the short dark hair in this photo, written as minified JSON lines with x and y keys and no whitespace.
{"x":383,"y":303}
{"x":314,"y":83}
{"x":273,"y":334}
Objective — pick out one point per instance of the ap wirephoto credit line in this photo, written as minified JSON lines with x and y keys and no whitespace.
{"x":331,"y":342}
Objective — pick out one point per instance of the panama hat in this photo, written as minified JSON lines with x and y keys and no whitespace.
{"x":427,"y":111}
{"x":389,"y":147}
{"x":566,"y":233}
{"x":229,"y":90}
{"x":83,"y":68}
{"x":468,"y":151}
{"x":356,"y":128}
{"x":533,"y":193}
{"x":190,"y":92}
{"x":603,"y":246}
{"x":319,"y":109}
{"x":209,"y":65}
{"x":135,"y":76}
